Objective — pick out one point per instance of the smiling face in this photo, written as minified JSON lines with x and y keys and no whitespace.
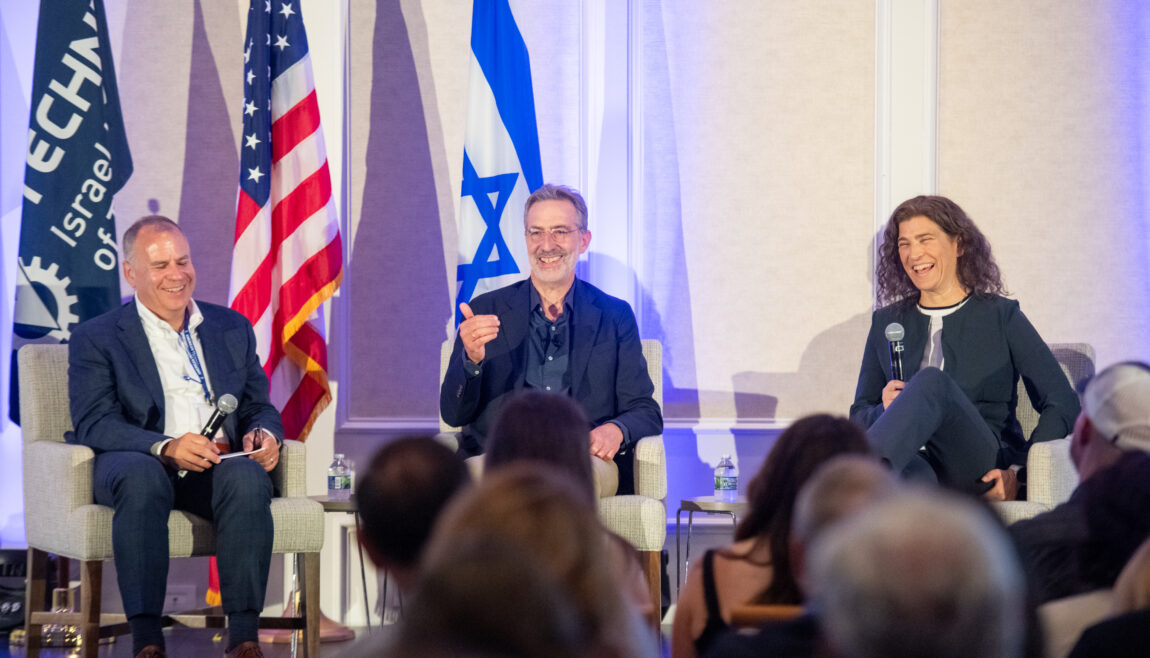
{"x":553,"y":259}
{"x":930,"y":258}
{"x":161,"y":272}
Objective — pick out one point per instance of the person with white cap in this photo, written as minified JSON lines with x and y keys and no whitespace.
{"x":1082,"y":544}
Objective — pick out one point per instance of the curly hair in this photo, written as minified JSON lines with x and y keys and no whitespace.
{"x":977,"y":271}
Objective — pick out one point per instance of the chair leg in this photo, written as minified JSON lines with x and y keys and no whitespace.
{"x":309,"y":605}
{"x":91,"y":583}
{"x":652,"y":563}
{"x":36,"y":593}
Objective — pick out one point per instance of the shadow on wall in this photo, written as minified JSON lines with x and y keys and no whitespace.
{"x":678,"y":403}
{"x":393,"y":300}
{"x":207,"y":213}
{"x":822,"y":383}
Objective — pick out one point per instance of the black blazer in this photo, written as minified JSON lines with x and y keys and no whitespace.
{"x":608,"y":372}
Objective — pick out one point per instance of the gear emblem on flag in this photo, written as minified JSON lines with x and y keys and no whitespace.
{"x":43,"y":304}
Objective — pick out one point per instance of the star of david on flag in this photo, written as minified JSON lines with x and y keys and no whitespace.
{"x":501,"y":165}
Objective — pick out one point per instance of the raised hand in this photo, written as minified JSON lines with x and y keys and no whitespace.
{"x":476,"y":331}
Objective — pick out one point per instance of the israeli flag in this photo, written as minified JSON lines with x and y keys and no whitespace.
{"x":501,"y":165}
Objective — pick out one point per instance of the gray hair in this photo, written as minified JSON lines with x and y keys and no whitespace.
{"x":922,"y":573}
{"x":159,"y":222}
{"x":839,"y":488}
{"x":551,"y":192}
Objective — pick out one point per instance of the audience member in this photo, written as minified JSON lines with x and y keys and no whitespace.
{"x":1127,"y":631}
{"x":540,"y":509}
{"x":1082,"y":544}
{"x":409,"y":481}
{"x":545,"y":427}
{"x":837,"y":490}
{"x":757,"y":568}
{"x":922,"y":573}
{"x":551,"y":429}
{"x":489,"y":597}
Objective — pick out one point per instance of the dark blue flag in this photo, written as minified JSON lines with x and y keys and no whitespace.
{"x":77,"y":159}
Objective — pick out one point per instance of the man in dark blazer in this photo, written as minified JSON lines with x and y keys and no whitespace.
{"x":555,"y":333}
{"x":143,"y":379}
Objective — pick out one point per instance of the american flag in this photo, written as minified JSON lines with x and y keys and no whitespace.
{"x":288,"y":256}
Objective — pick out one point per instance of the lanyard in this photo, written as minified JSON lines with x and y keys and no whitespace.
{"x":194,"y":358}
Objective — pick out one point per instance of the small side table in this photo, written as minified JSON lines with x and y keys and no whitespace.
{"x":348,"y":506}
{"x":706,"y":505}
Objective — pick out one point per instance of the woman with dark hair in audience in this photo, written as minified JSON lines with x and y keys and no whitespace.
{"x":544,"y":427}
{"x":757,"y":568}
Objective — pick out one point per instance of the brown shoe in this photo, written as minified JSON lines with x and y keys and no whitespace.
{"x":246,"y":650}
{"x":151,"y":651}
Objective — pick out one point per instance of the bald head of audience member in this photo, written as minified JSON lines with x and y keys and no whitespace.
{"x":543,"y":427}
{"x":921,"y":573}
{"x":836,"y":491}
{"x":400,"y":496}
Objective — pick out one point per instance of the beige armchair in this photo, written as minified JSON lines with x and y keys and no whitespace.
{"x":1050,"y":475}
{"x":61,"y":518}
{"x":640,"y":518}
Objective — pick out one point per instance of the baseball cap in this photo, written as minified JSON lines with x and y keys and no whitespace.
{"x":1117,"y":402}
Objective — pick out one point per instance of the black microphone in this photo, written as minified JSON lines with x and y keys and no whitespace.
{"x":894,"y":335}
{"x":224,"y":406}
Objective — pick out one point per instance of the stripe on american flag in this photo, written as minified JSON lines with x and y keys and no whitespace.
{"x":288,"y":255}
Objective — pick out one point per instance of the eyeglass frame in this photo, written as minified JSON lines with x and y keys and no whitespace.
{"x":535,"y":234}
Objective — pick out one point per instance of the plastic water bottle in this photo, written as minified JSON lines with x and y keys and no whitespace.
{"x":338,"y":479}
{"x":726,"y":481}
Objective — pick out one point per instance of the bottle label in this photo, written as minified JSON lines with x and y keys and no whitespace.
{"x":338,"y":482}
{"x":726,"y":483}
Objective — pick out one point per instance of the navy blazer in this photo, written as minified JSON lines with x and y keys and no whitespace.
{"x":114,"y":388}
{"x":987,"y":345}
{"x":607,"y":370}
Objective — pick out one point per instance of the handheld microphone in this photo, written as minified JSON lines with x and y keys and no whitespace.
{"x":894,"y":335}
{"x":224,"y":406}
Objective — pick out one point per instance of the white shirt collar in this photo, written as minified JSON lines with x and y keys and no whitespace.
{"x":153,"y":321}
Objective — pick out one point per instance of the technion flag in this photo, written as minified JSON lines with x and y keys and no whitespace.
{"x":288,"y":256}
{"x":501,"y":165}
{"x":77,"y":160}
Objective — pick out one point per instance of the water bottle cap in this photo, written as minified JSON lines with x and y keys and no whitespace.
{"x":339,"y":455}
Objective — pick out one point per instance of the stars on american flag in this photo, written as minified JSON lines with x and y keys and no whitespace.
{"x":250,"y":108}
{"x":254,"y":174}
{"x":282,"y":42}
{"x":287,"y":10}
{"x":252,"y":141}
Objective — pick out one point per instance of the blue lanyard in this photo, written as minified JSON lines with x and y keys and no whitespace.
{"x":190,"y":347}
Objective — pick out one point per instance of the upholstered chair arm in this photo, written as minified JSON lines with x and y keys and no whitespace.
{"x":651,"y":467}
{"x":292,"y":471}
{"x":1050,"y":473}
{"x":57,"y":479}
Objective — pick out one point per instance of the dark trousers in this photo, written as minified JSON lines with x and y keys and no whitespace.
{"x":933,"y":431}
{"x":235,"y":495}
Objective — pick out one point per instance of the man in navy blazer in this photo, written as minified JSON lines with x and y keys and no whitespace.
{"x":142,"y":381}
{"x":556,"y":333}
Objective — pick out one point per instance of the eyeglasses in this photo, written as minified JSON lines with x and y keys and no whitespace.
{"x":558,"y":234}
